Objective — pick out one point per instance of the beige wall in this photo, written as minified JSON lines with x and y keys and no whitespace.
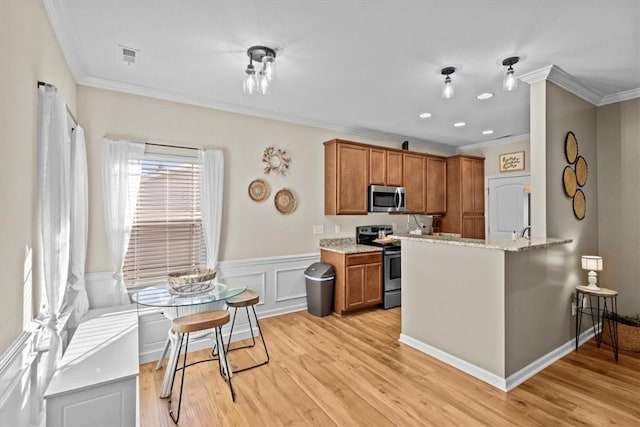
{"x":29,"y":52}
{"x":552,"y":210}
{"x":492,"y":155}
{"x":249,"y":229}
{"x":619,"y":201}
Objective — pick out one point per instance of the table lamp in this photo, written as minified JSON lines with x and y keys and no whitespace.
{"x":592,"y":263}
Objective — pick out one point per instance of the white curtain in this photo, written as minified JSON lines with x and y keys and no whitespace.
{"x":211,"y":189}
{"x":53,"y":213}
{"x":78,"y":230}
{"x":120,"y":183}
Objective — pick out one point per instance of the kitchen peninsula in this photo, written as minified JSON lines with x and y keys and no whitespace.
{"x":497,"y":310}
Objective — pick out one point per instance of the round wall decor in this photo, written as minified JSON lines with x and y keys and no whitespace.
{"x":570,"y":181}
{"x":259,"y":190}
{"x":276,"y":160}
{"x":571,"y":147}
{"x":579,"y":205}
{"x":581,"y":171}
{"x":285,"y":201}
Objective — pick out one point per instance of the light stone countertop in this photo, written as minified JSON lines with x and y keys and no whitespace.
{"x":346,"y":245}
{"x":519,"y":245}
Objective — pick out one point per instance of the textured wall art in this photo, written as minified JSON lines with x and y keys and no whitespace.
{"x":574,"y":176}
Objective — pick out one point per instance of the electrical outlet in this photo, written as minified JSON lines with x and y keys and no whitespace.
{"x":573,"y":308}
{"x":318,"y":229}
{"x":337,"y":229}
{"x":394,"y":226}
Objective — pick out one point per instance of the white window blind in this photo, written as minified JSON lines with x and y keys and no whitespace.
{"x":167,"y":233}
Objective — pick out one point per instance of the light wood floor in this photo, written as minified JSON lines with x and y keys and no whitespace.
{"x":353,"y":371}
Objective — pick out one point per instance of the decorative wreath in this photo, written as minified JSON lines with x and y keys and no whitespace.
{"x":276,"y":160}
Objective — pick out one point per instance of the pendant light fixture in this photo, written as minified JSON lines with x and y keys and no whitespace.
{"x":510,"y":81}
{"x":447,"y":90}
{"x":260,"y":82}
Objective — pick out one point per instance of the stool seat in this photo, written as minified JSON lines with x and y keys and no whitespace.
{"x":245,"y":299}
{"x":200,"y":321}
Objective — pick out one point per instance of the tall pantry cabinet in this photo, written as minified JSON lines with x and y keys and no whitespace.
{"x":465,"y":197}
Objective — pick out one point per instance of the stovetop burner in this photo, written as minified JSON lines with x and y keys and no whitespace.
{"x":367,"y":234}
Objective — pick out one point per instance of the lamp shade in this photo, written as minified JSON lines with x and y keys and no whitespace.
{"x":592,"y":262}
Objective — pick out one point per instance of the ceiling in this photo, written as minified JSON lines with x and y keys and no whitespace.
{"x":356,"y":66}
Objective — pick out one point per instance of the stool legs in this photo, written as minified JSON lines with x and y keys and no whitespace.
{"x":253,"y":339}
{"x":223,"y":364}
{"x":176,"y":417}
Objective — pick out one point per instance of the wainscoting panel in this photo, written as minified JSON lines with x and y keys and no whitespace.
{"x":290,"y":284}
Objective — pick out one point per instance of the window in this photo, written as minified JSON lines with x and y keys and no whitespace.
{"x":167,"y":232}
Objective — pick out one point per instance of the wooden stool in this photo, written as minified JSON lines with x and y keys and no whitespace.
{"x":598,"y":315}
{"x":193,"y":323}
{"x":247,"y":299}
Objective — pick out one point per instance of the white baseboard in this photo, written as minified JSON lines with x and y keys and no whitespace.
{"x":471,"y":369}
{"x":504,"y":384}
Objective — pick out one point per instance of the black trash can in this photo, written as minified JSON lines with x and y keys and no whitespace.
{"x":320,"y":278}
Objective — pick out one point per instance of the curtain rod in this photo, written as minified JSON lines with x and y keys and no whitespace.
{"x":171,"y":146}
{"x":41,"y":83}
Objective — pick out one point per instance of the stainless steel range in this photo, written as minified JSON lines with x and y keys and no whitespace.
{"x":391,"y":279}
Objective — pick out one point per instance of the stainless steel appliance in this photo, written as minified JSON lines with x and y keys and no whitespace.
{"x":386,"y":199}
{"x":391,"y":278}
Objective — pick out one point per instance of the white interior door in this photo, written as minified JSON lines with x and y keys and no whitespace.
{"x":508,"y":205}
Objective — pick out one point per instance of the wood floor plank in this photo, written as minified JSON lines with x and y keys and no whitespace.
{"x":352,"y":370}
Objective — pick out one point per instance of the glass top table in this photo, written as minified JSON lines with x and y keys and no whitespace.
{"x":161,"y":294}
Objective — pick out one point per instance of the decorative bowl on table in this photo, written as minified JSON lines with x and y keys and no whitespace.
{"x":191,"y":281}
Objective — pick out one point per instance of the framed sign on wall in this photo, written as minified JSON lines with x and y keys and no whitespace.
{"x":510,"y":162}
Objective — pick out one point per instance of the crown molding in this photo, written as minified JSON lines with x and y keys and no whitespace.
{"x":239,"y":109}
{"x":557,"y":75}
{"x":569,"y":83}
{"x":494,"y":143}
{"x":67,"y":39}
{"x":620,"y":96}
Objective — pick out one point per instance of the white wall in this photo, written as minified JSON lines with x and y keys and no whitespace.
{"x":29,"y":52}
{"x":619,"y":201}
{"x":250,"y":229}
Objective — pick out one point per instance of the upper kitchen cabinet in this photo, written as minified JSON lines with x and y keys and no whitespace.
{"x":385,"y":167}
{"x":414,"y":182}
{"x":346,"y":177}
{"x":377,"y":166}
{"x":394,"y":168}
{"x":436,"y":185}
{"x":465,"y":197}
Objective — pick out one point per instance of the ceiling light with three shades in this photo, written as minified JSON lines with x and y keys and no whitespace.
{"x":261,"y":82}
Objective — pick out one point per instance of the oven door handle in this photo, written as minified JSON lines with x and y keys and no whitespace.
{"x":392,"y":252}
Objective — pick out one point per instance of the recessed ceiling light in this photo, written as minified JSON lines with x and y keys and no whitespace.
{"x":485,"y":95}
{"x":487,"y":132}
{"x":459,"y":124}
{"x":425,"y":115}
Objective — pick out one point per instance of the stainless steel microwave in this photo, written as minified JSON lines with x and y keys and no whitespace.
{"x":386,"y":199}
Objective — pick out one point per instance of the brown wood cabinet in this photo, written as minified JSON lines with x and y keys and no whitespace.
{"x":358,"y":282}
{"x":414,"y":183}
{"x":436,"y":189}
{"x":377,"y":166}
{"x":465,"y":197}
{"x":346,"y":177}
{"x":385,"y":167}
{"x":394,"y":168}
{"x":350,"y":167}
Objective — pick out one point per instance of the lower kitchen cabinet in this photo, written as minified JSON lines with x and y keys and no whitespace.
{"x":358,"y":282}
